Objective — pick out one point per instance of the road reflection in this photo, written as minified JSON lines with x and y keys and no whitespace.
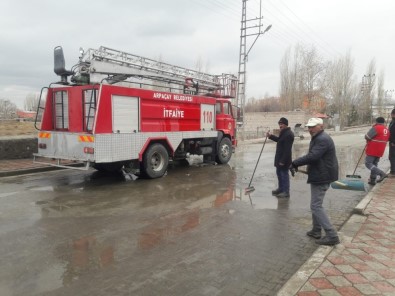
{"x":162,"y":210}
{"x":87,"y":255}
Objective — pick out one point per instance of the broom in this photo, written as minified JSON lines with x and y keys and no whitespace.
{"x":355,"y":185}
{"x":252,"y":188}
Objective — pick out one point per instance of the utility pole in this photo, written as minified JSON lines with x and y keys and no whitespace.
{"x":388,"y":96}
{"x":242,"y":74}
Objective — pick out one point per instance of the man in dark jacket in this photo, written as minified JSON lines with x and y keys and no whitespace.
{"x":391,"y":154}
{"x":322,"y":169}
{"x":283,"y":157}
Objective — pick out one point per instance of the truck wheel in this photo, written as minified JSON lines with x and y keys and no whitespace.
{"x":155,"y":161}
{"x":224,"y":152}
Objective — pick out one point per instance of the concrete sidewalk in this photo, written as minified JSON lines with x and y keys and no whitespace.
{"x":364,"y":262}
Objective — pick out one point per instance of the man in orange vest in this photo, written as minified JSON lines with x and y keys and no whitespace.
{"x":377,"y":138}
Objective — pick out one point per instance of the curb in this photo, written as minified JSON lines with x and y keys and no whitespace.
{"x":33,"y":170}
{"x":27,"y":171}
{"x":293,"y":285}
{"x":361,"y":206}
{"x":346,"y":233}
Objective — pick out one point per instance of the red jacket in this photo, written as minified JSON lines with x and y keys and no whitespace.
{"x":376,"y":145}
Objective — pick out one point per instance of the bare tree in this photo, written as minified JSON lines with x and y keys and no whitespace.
{"x":31,"y":102}
{"x":289,"y":74}
{"x":302,"y":78}
{"x":313,"y":76}
{"x":7,"y":109}
{"x":367,"y":93}
{"x":341,"y":88}
{"x":268,"y":104}
{"x":313,"y":84}
{"x":380,"y":93}
{"x":285,"y":99}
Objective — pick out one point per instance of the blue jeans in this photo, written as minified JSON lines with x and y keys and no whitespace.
{"x":283,"y":179}
{"x":320,"y":218}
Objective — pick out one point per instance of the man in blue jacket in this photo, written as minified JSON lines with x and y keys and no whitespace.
{"x":322,"y":169}
{"x":283,"y":157}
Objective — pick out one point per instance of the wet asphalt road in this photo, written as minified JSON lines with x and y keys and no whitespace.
{"x":193,"y":232}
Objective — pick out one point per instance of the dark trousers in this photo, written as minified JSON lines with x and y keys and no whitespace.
{"x":320,"y":218}
{"x":391,"y":157}
{"x":283,"y":179}
{"x":371,"y":162}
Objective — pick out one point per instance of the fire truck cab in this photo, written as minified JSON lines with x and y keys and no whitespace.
{"x":122,"y":111}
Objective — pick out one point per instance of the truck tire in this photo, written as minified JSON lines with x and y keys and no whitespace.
{"x":224,"y":151}
{"x":155,"y":161}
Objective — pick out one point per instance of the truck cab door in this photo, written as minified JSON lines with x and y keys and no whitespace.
{"x":224,"y":118}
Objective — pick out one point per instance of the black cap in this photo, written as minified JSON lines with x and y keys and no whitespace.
{"x":283,"y":120}
{"x":380,"y":120}
{"x":393,"y":111}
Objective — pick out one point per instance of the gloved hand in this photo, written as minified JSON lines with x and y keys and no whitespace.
{"x":293,"y":169}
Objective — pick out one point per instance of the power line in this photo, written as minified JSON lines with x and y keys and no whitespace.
{"x":210,"y":6}
{"x":298,"y":35}
{"x":312,"y":34}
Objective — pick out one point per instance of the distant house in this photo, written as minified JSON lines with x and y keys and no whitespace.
{"x":26,"y":114}
{"x":315,"y":103}
{"x":321,"y":115}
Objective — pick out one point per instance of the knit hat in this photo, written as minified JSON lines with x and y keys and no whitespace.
{"x":380,"y":120}
{"x":283,"y":120}
{"x":393,"y":111}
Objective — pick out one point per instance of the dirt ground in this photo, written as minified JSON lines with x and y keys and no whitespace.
{"x":17,"y":128}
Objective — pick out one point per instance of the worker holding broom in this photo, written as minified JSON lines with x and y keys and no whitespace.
{"x":283,"y":157}
{"x":322,"y":169}
{"x":377,"y":138}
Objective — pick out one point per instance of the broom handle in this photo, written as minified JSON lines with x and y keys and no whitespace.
{"x":359,"y":160}
{"x":257,"y":161}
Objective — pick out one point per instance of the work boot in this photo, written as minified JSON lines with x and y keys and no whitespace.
{"x":314,"y":233}
{"x":283,"y":195}
{"x":372,"y":181}
{"x":328,"y":241}
{"x":382,"y":177}
{"x":275,"y":192}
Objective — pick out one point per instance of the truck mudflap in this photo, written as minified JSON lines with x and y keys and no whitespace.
{"x":61,"y":163}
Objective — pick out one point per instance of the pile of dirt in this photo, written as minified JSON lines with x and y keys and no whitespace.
{"x":17,"y":128}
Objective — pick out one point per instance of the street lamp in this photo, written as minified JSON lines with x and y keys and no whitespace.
{"x":259,"y":34}
{"x":241,"y":86}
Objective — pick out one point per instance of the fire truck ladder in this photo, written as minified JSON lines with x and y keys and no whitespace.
{"x":119,"y":65}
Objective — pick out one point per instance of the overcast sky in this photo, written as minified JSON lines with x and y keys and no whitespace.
{"x":180,"y":32}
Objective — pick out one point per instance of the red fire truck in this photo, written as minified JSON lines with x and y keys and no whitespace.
{"x":123,"y":111}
